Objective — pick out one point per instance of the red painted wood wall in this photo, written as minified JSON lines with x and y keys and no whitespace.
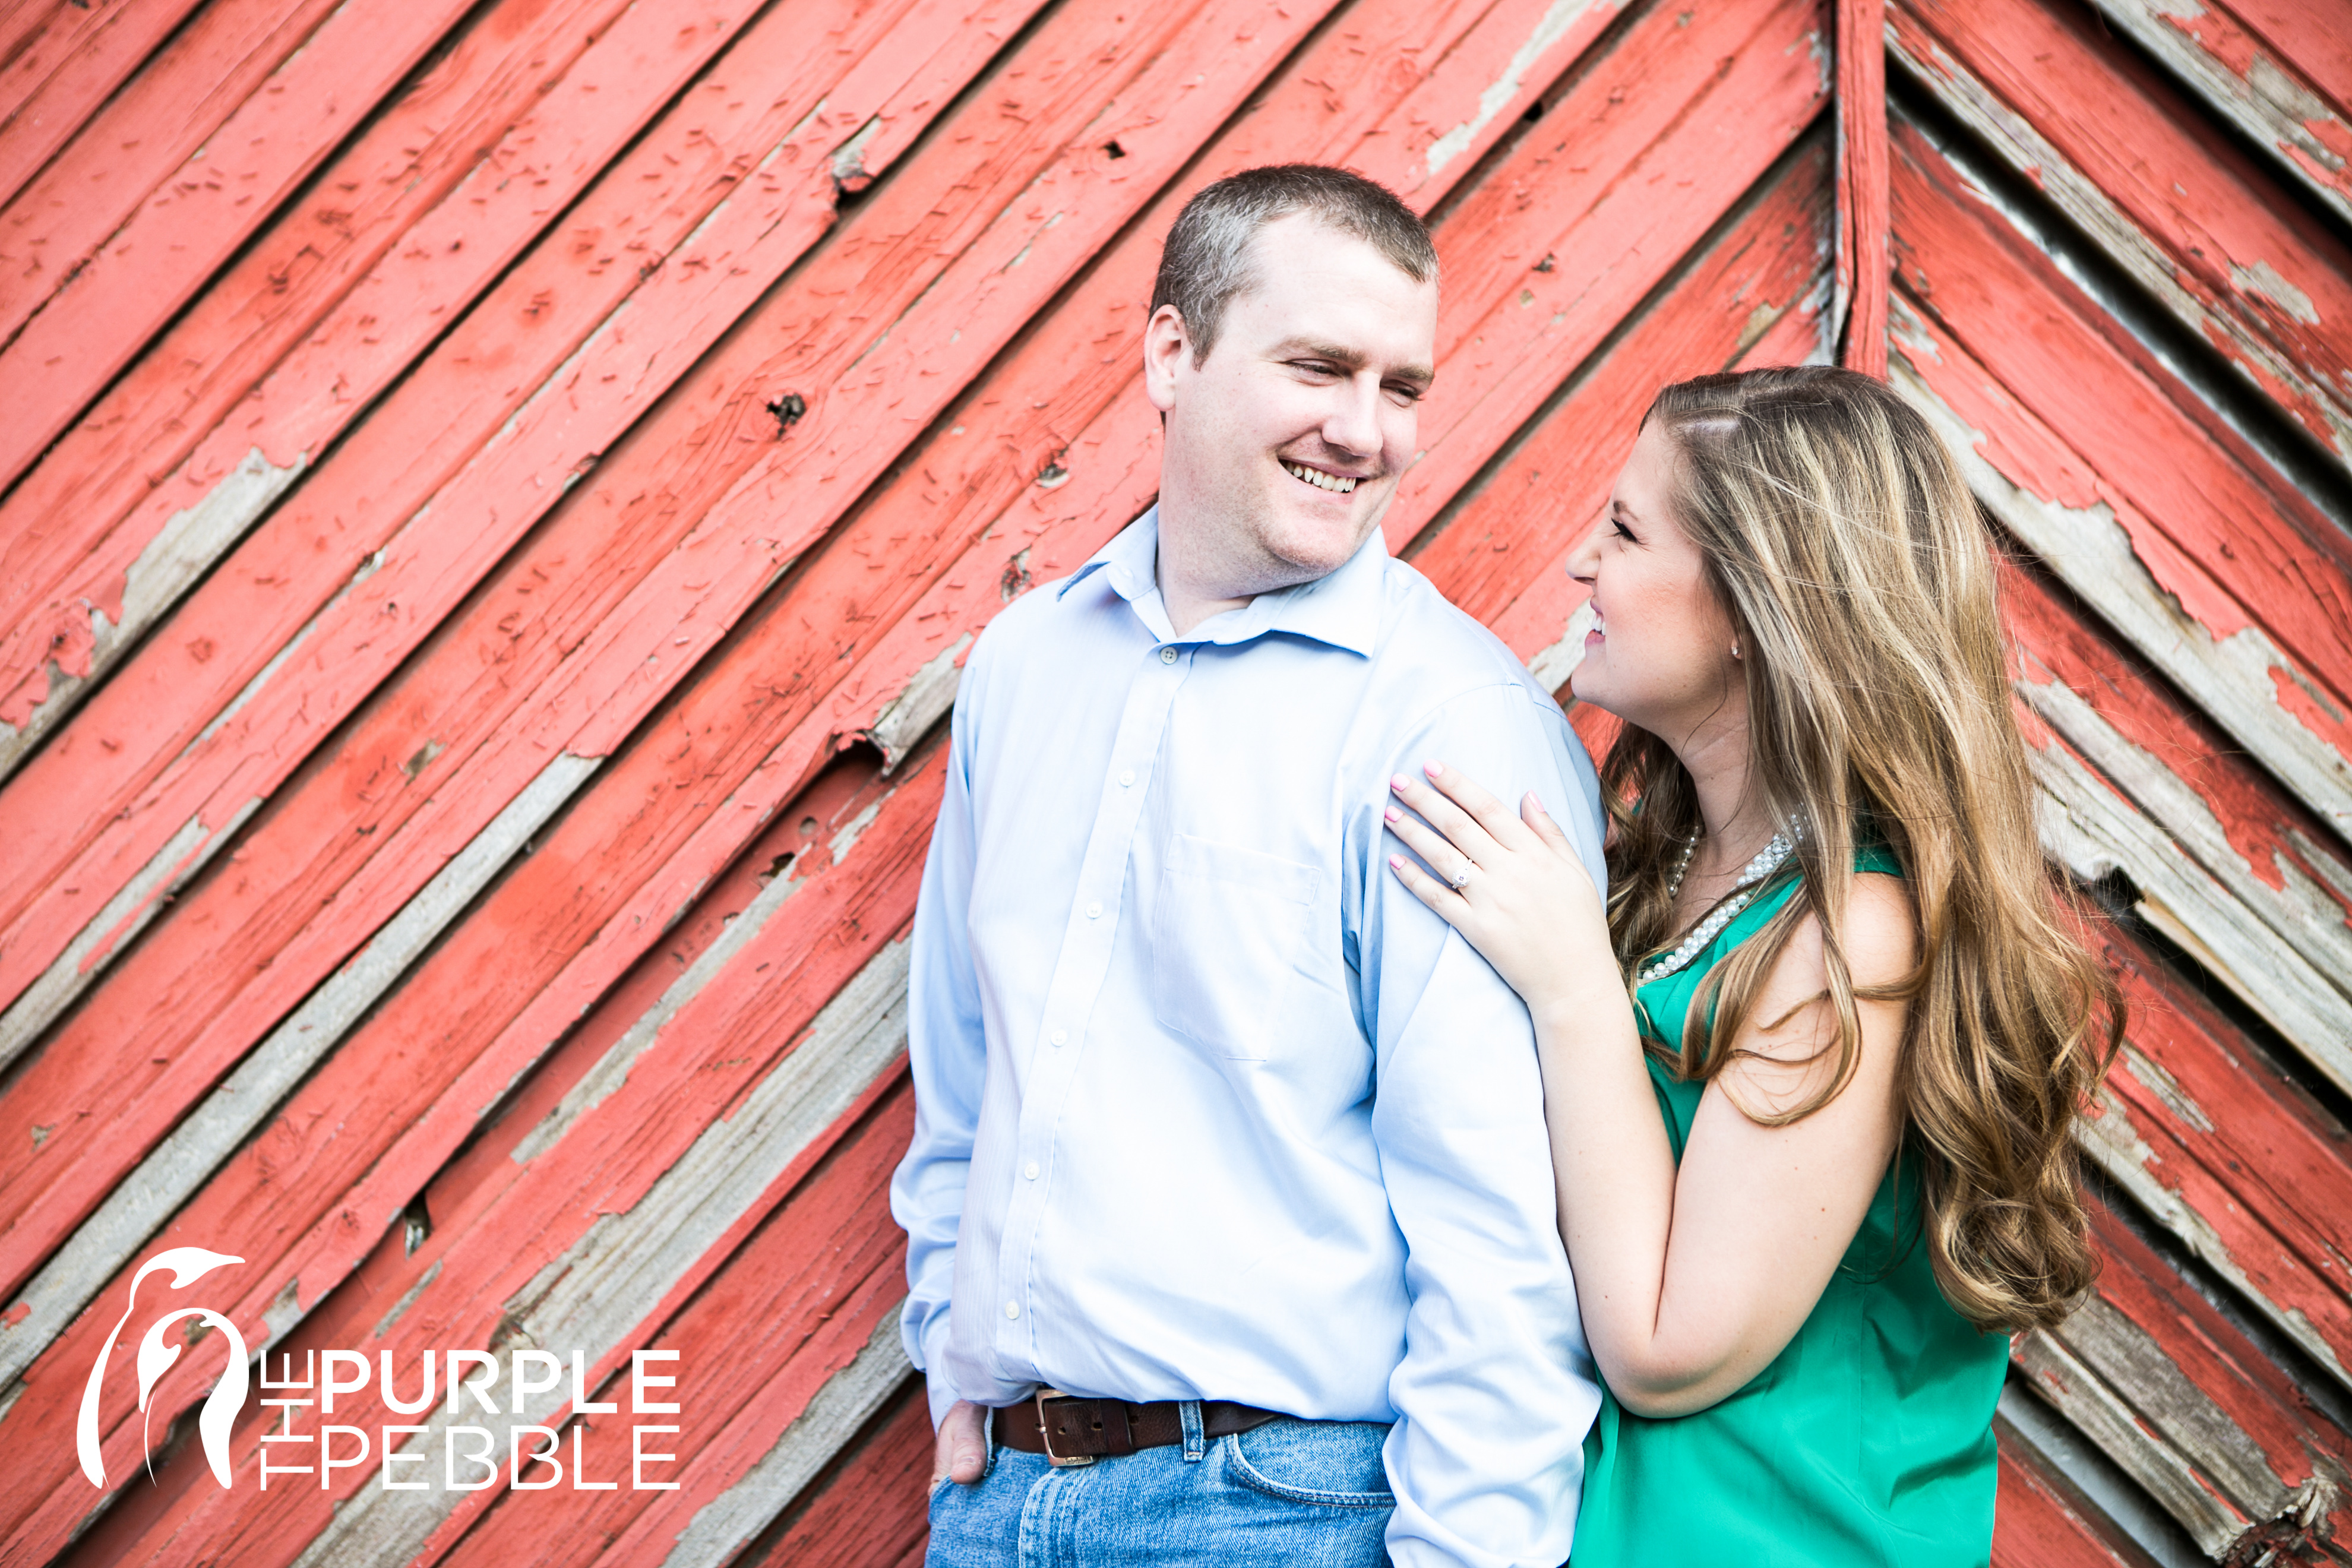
{"x":496,"y":493}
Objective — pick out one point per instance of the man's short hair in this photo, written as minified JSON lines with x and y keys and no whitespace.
{"x":1208,"y":258}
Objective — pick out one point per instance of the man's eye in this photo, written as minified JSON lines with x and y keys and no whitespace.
{"x":1404,"y":392}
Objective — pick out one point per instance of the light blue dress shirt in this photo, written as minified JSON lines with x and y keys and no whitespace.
{"x":1207,"y":1105}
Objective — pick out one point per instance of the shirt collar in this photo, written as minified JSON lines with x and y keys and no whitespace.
{"x":1342,"y":608}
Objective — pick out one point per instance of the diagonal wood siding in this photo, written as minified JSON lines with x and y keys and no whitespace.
{"x":493,"y":497}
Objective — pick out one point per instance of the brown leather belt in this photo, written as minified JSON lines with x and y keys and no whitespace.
{"x":1079,"y":1431}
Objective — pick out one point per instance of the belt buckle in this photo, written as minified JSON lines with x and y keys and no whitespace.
{"x":1046,"y":1434}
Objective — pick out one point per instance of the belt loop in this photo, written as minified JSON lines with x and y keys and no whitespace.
{"x":1195,"y":1444}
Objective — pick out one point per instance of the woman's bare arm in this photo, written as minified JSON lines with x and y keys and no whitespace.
{"x":1690,"y":1280}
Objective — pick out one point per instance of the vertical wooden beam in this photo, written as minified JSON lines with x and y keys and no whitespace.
{"x":1861,"y":177}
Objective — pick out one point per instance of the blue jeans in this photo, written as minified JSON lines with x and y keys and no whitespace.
{"x":1289,"y":1494}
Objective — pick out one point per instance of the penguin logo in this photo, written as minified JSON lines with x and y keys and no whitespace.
{"x":187,"y":1265}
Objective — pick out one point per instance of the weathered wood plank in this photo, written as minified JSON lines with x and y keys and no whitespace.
{"x":2253,"y":85}
{"x":2260,"y":1184}
{"x":870,"y":1511}
{"x":646,"y":1232}
{"x":160,"y":251}
{"x":807,"y":1309}
{"x":1862,"y":259}
{"x":2096,"y":1410}
{"x":2215,"y":570}
{"x":165,"y":112}
{"x":272,"y":361}
{"x":59,"y":62}
{"x":1766,"y":271}
{"x":2316,"y":35}
{"x":2181,"y":1400}
{"x":2214,"y":1148}
{"x":1671,"y":156}
{"x":729,"y":1511}
{"x":2289,"y":882}
{"x":2093,"y":829}
{"x":2183,"y":216}
{"x":2035,"y":1527}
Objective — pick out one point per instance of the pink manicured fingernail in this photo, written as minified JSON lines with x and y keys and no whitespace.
{"x":1434,"y":768}
{"x":1537,"y":804}
{"x":1396,"y":862}
{"x":1400,"y":781}
{"x":1394,"y":814}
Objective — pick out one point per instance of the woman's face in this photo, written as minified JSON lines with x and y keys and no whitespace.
{"x":1659,"y":654}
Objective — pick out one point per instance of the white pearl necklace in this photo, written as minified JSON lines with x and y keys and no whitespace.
{"x":1752,"y":879}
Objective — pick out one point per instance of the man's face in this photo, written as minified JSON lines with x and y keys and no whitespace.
{"x":1284,"y":448}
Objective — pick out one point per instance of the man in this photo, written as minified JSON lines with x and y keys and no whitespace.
{"x":1229,"y":1210}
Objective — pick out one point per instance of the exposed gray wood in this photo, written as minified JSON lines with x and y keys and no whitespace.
{"x":2086,"y":826}
{"x":2011,"y":137}
{"x":595,"y":1296}
{"x":109,"y":931}
{"x":2134,"y":1364}
{"x":2107,"y":1420}
{"x":2300,"y":911}
{"x":178,"y":1166}
{"x":2024,"y":1423}
{"x":2115,"y":1145}
{"x":2271,"y":103}
{"x":2230,"y":678}
{"x":847,"y":1403}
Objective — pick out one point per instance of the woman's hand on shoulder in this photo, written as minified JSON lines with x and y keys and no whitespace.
{"x":1511,"y":883}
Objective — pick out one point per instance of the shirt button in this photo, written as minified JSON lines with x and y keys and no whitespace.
{"x":1094,"y":911}
{"x":1012,"y":1309}
{"x":1061,"y":1036}
{"x":1126,"y":777}
{"x":1030,"y":1170}
{"x":1167,"y":655}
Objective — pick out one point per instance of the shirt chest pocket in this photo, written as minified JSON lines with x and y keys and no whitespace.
{"x":1228,"y":933}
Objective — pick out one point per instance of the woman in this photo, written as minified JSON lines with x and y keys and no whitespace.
{"x":1866,"y":1021}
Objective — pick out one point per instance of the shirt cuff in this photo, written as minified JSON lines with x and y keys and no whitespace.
{"x":933,"y":1360}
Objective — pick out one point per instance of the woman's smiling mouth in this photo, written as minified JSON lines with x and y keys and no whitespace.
{"x":1339,"y":484}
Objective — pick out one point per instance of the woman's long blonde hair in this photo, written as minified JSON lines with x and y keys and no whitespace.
{"x":1840,"y":537}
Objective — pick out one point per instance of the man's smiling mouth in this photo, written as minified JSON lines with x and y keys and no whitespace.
{"x":1339,"y":484}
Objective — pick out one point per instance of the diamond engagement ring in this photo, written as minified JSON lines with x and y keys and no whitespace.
{"x":1460,"y":881}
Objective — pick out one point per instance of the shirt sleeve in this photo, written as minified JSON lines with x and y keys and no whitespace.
{"x":947,"y":1054}
{"x":1496,"y":1388}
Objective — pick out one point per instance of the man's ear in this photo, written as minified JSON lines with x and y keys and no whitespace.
{"x":1166,"y":347}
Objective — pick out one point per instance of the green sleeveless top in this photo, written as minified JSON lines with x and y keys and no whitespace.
{"x":1867,"y":1440}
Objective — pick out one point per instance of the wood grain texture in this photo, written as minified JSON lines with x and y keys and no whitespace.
{"x":336,"y":299}
{"x":59,"y":62}
{"x":193,"y":219}
{"x":1863,"y":258}
{"x":2199,"y":227}
{"x":2221,"y":573}
{"x":2301,"y":114}
{"x":2040,"y":1526}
